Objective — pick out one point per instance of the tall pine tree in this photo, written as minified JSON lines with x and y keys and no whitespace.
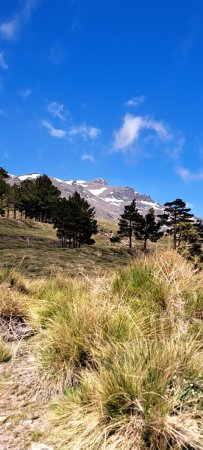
{"x":46,"y":196}
{"x":147,"y":228}
{"x":126,"y":221}
{"x":175,"y":213}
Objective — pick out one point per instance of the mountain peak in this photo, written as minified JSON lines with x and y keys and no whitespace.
{"x":99,"y":181}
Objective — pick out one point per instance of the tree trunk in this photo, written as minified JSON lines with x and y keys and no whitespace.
{"x":175,"y":231}
{"x":145,"y":245}
{"x":174,"y":240}
{"x":130,"y":236}
{"x":45,"y":216}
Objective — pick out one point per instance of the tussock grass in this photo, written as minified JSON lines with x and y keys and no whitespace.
{"x":138,"y":285}
{"x":123,"y":355}
{"x":76,"y":325}
{"x":53,"y":295}
{"x":144,"y":388}
{"x":12,"y":304}
{"x":13,"y":291}
{"x":178,"y":276}
{"x":147,"y":397}
{"x":5,"y":352}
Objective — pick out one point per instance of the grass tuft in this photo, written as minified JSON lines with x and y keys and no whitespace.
{"x":147,"y":397}
{"x":5,"y":352}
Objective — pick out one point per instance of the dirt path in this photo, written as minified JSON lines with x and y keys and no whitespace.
{"x":22,"y":411}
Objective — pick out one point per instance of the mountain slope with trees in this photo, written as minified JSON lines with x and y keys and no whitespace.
{"x":108,"y":201}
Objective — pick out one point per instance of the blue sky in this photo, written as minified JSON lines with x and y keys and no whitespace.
{"x":105,"y":88}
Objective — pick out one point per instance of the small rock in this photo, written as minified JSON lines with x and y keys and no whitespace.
{"x":3,"y":419}
{"x":26,"y":422}
{"x":38,"y":446}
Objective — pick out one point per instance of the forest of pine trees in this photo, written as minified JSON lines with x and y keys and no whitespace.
{"x":38,"y":199}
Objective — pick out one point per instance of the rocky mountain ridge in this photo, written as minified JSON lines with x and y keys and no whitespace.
{"x":109,"y":201}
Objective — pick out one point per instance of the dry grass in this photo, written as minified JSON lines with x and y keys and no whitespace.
{"x":5,"y":352}
{"x":123,"y":354}
{"x":146,"y":397}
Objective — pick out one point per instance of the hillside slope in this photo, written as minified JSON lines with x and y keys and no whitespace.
{"x":33,"y":248}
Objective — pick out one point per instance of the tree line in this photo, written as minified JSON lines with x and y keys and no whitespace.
{"x":176,"y":221}
{"x":74,"y":219}
{"x":38,"y":199}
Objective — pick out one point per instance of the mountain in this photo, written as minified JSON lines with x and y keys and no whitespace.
{"x":109,"y":201}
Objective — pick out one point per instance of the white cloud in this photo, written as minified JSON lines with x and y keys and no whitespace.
{"x":175,"y":152}
{"x":3,"y":63}
{"x":88,"y":157}
{"x":86,"y":132}
{"x":129,"y":133}
{"x":9,"y":29}
{"x":135,"y":101}
{"x":54,"y":132}
{"x":187,"y":175}
{"x":56,"y":109}
{"x":25,"y":93}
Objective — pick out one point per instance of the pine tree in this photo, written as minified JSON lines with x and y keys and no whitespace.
{"x":147,"y":228}
{"x":28,"y":200}
{"x":16,"y":200}
{"x":46,"y":196}
{"x":37,"y":198}
{"x":60,"y":219}
{"x":4,"y":187}
{"x":175,"y":213}
{"x":8,"y":200}
{"x":3,"y":174}
{"x":75,"y":221}
{"x":192,"y":235}
{"x":128,"y":218}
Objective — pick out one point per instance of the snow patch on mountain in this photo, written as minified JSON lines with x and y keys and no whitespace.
{"x":113,"y":200}
{"x":151,"y":204}
{"x":97,"y":191}
{"x":31,"y":176}
{"x":58,"y":179}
